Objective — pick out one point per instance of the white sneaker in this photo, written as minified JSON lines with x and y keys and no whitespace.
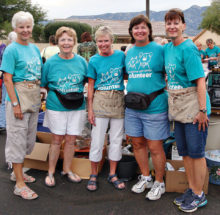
{"x":156,"y":191}
{"x":142,"y":184}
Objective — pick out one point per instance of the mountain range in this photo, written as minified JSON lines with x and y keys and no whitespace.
{"x":193,"y":17}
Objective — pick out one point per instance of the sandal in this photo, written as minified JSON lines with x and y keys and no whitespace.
{"x":52,"y":182}
{"x":71,"y":177}
{"x":92,"y":183}
{"x":115,"y":183}
{"x":25,"y":193}
{"x":27,"y":178}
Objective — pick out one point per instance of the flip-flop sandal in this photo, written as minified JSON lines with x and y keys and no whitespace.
{"x":27,"y":178}
{"x":92,"y":183}
{"x":52,"y":180}
{"x":115,"y":183}
{"x":25,"y":193}
{"x":70,"y":175}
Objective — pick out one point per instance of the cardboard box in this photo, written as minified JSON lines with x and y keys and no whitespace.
{"x":176,"y":181}
{"x":38,"y":159}
{"x":174,"y":153}
{"x":82,"y":166}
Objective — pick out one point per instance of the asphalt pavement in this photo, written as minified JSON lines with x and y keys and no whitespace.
{"x":73,"y":199}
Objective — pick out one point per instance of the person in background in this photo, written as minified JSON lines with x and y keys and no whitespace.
{"x":106,"y":106}
{"x":87,"y":48}
{"x":201,"y":52}
{"x":21,"y":65}
{"x":148,"y":127}
{"x":12,"y":36}
{"x":64,"y":74}
{"x":189,"y":107}
{"x":51,"y":50}
{"x":212,"y":53}
{"x":203,"y":56}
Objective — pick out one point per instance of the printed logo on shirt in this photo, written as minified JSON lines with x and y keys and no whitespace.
{"x":111,"y":79}
{"x":33,"y":69}
{"x":172,"y":83}
{"x":69,"y":84}
{"x":140,"y":64}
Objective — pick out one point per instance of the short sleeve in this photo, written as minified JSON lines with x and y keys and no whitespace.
{"x":192,"y":63}
{"x":45,"y":70}
{"x":8,"y":61}
{"x":91,"y":71}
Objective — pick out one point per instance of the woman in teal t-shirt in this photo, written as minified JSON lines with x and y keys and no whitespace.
{"x":188,"y":106}
{"x":22,"y":66}
{"x":106,"y":105}
{"x":149,"y":127}
{"x":64,"y":75}
{"x":212,"y":53}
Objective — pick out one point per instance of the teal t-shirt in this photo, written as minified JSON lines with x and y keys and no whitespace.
{"x":212,"y":53}
{"x":23,"y":62}
{"x":183,"y":66}
{"x":65,"y":76}
{"x":146,"y":74}
{"x":107,"y":71}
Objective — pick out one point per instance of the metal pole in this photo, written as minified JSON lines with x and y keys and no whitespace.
{"x":148,"y":8}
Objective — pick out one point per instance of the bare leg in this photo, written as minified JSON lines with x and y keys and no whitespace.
{"x":141,"y":154}
{"x":199,"y":174}
{"x":68,"y":156}
{"x":17,"y":167}
{"x":188,"y":165}
{"x":158,"y":158}
{"x":68,"y":152}
{"x":54,"y":153}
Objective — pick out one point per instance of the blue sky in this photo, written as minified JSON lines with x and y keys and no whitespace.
{"x":66,"y":8}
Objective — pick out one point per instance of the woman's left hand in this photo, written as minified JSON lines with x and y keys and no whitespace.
{"x":202,"y":120}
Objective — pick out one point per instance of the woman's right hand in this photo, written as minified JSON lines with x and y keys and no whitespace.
{"x":17,"y":112}
{"x":91,"y":117}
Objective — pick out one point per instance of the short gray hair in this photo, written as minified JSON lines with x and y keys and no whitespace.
{"x":21,"y":16}
{"x":103,"y":31}
{"x":12,"y":36}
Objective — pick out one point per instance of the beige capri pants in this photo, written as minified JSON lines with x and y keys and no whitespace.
{"x":21,"y":135}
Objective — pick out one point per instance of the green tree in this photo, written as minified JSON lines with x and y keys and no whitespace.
{"x":51,"y":28}
{"x":9,"y":7}
{"x":211,"y":17}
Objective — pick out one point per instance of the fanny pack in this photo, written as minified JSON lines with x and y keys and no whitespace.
{"x":71,"y":100}
{"x":140,"y":101}
{"x":29,"y":95}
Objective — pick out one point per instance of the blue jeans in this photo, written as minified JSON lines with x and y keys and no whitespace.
{"x":2,"y":108}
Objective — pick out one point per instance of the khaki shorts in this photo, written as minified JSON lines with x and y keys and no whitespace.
{"x":21,"y":135}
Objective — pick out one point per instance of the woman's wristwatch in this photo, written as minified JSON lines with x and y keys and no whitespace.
{"x":203,"y":110}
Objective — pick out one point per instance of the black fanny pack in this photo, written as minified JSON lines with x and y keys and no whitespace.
{"x":71,"y":100}
{"x":140,"y":101}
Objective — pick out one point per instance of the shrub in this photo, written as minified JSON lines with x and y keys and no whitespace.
{"x":51,"y":28}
